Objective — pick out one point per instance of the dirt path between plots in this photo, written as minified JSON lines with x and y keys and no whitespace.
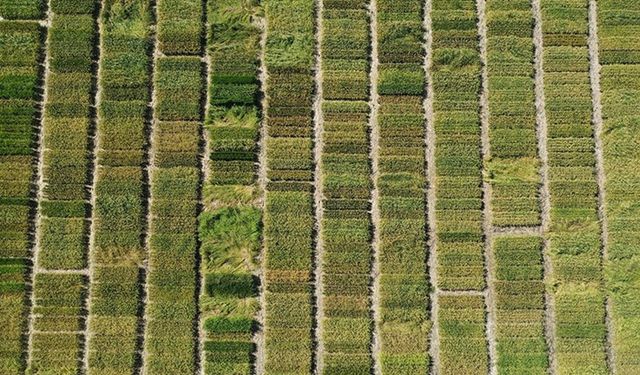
{"x":486,"y":194}
{"x":541,"y":119}
{"x":258,"y":337}
{"x":430,"y":164}
{"x":374,"y":140}
{"x":318,"y":195}
{"x":594,"y":71}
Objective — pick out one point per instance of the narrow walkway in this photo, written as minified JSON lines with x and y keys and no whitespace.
{"x":430,"y":173}
{"x":374,"y":157}
{"x":318,"y":195}
{"x":487,"y":214}
{"x":596,"y":96}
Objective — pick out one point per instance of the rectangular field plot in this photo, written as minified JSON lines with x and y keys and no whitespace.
{"x":20,"y":77}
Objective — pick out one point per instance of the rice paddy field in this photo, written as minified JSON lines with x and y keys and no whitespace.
{"x":330,"y":187}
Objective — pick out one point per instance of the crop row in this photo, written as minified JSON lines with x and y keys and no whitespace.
{"x":66,"y":158}
{"x":118,"y":214}
{"x":519,"y":304}
{"x":461,"y":324}
{"x":346,"y":183}
{"x":404,"y":321}
{"x":574,"y":236}
{"x":456,"y":85}
{"x":230,"y":225}
{"x":459,"y":218}
{"x":618,"y":26}
{"x":513,"y":167}
{"x":22,"y":9}
{"x":19,"y":77}
{"x":175,"y":180}
{"x":288,"y":217}
{"x":57,"y":340}
{"x":180,"y":27}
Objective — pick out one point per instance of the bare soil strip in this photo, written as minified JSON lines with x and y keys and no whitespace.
{"x":430,"y":150}
{"x":594,"y":71}
{"x":150,"y":167}
{"x":541,"y":120}
{"x":259,"y":337}
{"x":95,"y":146}
{"x":486,"y":194}
{"x":374,"y":139}
{"x":38,"y":187}
{"x":318,"y":195}
{"x":205,"y":172}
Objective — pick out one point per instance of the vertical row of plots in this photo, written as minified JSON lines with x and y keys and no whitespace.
{"x":346,"y":184}
{"x":175,"y":179}
{"x":456,"y":85}
{"x":118,"y":215}
{"x":618,"y":26}
{"x":230,"y":224}
{"x":60,"y":273}
{"x":22,"y":49}
{"x":513,"y":172}
{"x":404,"y":321}
{"x":459,"y":219}
{"x":574,"y":235}
{"x":288,"y":218}
{"x":513,"y":167}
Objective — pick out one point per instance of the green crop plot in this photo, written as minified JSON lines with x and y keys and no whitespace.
{"x":330,"y":187}
{"x":618,"y":23}
{"x":513,"y":167}
{"x":346,"y":174}
{"x":118,"y":218}
{"x":463,"y":347}
{"x":404,"y":322}
{"x":519,"y":300}
{"x":456,"y":85}
{"x":574,"y":238}
{"x":22,"y":9}
{"x":173,"y":226}
{"x":19,"y":78}
{"x":288,"y":216}
{"x":60,"y":298}
{"x":230,"y":226}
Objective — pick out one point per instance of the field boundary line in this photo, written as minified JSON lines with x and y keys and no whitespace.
{"x":430,"y":174}
{"x":597,"y":123}
{"x":151,"y":155}
{"x":318,"y":196}
{"x":259,"y":337}
{"x":202,"y":156}
{"x":545,"y":200}
{"x":38,"y":185}
{"x":205,"y":174}
{"x":374,"y":140}
{"x":146,"y":188}
{"x":93,"y":129}
{"x":487,"y":225}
